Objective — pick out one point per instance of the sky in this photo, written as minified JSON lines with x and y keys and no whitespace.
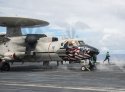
{"x":99,"y":23}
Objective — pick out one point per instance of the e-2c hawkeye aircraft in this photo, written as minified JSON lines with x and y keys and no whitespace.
{"x":15,"y":47}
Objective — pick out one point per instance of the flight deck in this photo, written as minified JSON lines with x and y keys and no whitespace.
{"x":33,"y":78}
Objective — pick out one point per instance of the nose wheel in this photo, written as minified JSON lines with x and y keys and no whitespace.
{"x":83,"y":68}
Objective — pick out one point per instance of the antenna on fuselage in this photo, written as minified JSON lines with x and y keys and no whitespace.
{"x":14,"y":24}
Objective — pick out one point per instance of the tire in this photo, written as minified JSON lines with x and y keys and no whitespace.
{"x":5,"y":66}
{"x":83,"y":68}
{"x":70,"y":62}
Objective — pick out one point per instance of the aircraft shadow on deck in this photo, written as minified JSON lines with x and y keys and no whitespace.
{"x":32,"y":68}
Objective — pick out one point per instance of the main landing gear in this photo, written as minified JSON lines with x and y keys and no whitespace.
{"x":46,"y":64}
{"x":4,"y":65}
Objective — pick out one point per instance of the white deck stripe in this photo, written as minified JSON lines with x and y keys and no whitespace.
{"x":63,"y":87}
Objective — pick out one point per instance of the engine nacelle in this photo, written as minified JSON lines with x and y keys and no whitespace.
{"x":9,"y":56}
{"x":13,"y":56}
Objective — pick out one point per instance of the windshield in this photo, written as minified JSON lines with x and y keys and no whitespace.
{"x":81,"y":43}
{"x":71,"y":43}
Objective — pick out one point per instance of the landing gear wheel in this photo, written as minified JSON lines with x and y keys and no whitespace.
{"x":5,"y":66}
{"x":70,"y":62}
{"x":57,"y":63}
{"x":83,"y":68}
{"x":46,"y":64}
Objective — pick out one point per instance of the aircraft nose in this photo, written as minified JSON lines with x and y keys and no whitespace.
{"x":92,"y":50}
{"x":96,"y":51}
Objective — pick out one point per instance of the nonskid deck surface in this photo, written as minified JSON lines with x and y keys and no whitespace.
{"x":33,"y":78}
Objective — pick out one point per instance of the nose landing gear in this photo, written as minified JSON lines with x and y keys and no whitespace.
{"x":89,"y":64}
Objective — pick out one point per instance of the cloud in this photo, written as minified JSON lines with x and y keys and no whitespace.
{"x":99,"y":22}
{"x":113,"y":39}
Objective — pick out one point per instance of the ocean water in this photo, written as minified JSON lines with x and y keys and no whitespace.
{"x":117,"y":62}
{"x":117,"y":59}
{"x":113,"y":57}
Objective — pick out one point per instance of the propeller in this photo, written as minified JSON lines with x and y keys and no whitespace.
{"x":32,"y":31}
{"x":32,"y":38}
{"x":31,"y":42}
{"x":73,"y":26}
{"x":71,"y":32}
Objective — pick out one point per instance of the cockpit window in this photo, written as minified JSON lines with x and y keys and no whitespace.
{"x":66,"y":45}
{"x":73,"y":43}
{"x":70,"y":44}
{"x":81,"y":43}
{"x":62,"y":44}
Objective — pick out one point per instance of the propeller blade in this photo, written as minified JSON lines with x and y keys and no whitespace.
{"x":68,"y":33}
{"x":73,"y":33}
